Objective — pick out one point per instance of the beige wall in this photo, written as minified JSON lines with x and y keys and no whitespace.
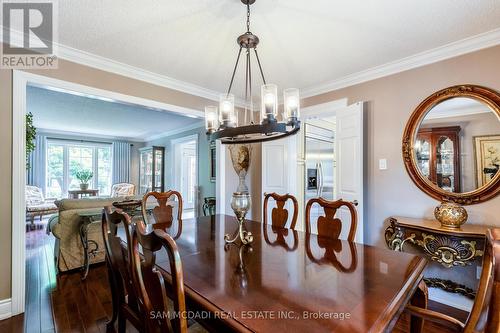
{"x":80,"y":74}
{"x":390,"y":101}
{"x":5,"y":182}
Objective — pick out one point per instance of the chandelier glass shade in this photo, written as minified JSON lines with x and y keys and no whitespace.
{"x":231,"y":125}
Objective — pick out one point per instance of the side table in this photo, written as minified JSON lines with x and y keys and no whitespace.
{"x":455,"y":254}
{"x":77,"y":194}
{"x":88,"y":219}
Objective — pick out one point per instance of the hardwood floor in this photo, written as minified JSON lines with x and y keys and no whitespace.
{"x":64,"y":303}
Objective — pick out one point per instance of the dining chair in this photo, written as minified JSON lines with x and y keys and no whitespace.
{"x":279,"y":214}
{"x":163,"y":212}
{"x":150,"y":284}
{"x":124,"y":299}
{"x":329,"y":225}
{"x":485,"y":313}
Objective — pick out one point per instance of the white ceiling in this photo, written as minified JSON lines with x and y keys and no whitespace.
{"x":303,"y":43}
{"x":69,"y":113}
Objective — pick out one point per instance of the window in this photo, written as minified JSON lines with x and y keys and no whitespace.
{"x":64,"y":158}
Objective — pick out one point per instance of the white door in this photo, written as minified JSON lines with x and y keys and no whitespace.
{"x":279,"y":168}
{"x":188,"y":175}
{"x":349,"y":154}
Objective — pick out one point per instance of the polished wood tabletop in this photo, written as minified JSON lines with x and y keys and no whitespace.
{"x":288,"y":281}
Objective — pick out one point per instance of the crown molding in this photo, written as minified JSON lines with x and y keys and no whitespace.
{"x":454,"y":49}
{"x":173,"y":132}
{"x":95,"y":61}
{"x":83,"y":136}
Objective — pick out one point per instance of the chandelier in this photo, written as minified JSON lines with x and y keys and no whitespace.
{"x":223,"y":122}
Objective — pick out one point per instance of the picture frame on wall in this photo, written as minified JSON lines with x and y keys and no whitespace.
{"x":213,"y":161}
{"x":487,"y":158}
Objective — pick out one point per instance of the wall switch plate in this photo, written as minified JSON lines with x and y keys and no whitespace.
{"x":382,"y":164}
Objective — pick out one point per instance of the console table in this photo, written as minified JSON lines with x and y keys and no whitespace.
{"x":76,"y":194}
{"x":455,"y":254}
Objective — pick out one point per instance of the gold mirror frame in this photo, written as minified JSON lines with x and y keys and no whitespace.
{"x":485,"y":95}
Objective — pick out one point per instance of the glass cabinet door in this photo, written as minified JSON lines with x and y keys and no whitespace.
{"x":445,"y":163}
{"x":145,"y":173}
{"x":423,"y":152}
{"x":437,"y":152}
{"x":158,"y":170}
{"x":151,"y":169}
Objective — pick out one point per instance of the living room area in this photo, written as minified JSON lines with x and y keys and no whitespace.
{"x":86,"y":151}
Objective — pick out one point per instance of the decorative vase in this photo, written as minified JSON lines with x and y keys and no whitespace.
{"x":240,"y":204}
{"x":450,"y":214}
{"x":240,"y":157}
{"x":84,"y":187}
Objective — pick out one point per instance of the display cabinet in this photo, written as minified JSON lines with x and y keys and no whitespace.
{"x":438,"y":156}
{"x":151,"y":169}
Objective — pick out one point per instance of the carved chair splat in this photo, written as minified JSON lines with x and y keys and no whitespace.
{"x":279,"y":214}
{"x":149,"y":282}
{"x":124,"y":299}
{"x":329,"y":225}
{"x":163,"y":213}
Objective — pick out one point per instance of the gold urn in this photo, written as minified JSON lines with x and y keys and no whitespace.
{"x":451,"y":215}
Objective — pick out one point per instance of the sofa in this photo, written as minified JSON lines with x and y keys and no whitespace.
{"x":65,"y":227}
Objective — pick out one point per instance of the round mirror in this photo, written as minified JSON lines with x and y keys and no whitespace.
{"x":451,"y":145}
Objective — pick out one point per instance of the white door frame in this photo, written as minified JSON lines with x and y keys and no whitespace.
{"x":21,"y":80}
{"x":220,"y":177}
{"x":175,"y":143}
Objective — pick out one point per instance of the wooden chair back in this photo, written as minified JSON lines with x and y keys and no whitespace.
{"x":125,"y":301}
{"x":150,"y":283}
{"x":485,"y":313}
{"x":279,"y":214}
{"x":163,"y":213}
{"x":329,"y":225}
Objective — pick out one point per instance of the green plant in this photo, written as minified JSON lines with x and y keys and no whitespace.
{"x":84,"y":176}
{"x":30,"y":137}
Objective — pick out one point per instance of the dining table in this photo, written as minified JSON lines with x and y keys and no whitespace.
{"x":287,"y":280}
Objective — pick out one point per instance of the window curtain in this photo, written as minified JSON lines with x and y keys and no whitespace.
{"x":121,"y":162}
{"x":37,"y":163}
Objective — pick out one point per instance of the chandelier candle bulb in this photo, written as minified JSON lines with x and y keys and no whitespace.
{"x":226,"y":110}
{"x":269,"y":95}
{"x":211,"y":122}
{"x":291,"y":104}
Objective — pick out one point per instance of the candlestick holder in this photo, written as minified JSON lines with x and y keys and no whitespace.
{"x":240,"y":204}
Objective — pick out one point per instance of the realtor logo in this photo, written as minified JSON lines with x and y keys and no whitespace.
{"x":28,"y":31}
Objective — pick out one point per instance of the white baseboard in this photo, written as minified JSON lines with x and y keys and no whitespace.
{"x":5,"y":309}
{"x":450,"y":299}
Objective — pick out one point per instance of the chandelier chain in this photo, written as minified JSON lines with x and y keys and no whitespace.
{"x":248,"y":16}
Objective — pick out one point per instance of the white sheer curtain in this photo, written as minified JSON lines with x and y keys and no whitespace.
{"x":37,"y":162}
{"x":121,"y":162}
